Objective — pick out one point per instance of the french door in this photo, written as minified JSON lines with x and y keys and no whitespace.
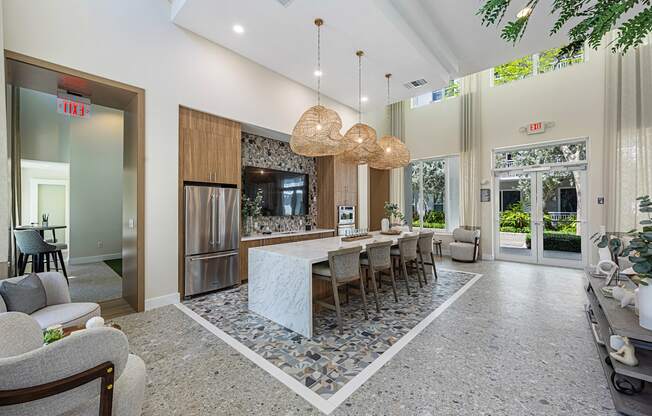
{"x":541,"y":215}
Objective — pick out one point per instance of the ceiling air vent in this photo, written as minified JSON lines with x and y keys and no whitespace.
{"x":284,"y":3}
{"x":415,"y":84}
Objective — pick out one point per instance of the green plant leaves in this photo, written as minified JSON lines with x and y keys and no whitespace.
{"x":642,"y":267}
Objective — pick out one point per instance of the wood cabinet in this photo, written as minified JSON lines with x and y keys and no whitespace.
{"x":246,"y":245}
{"x":337,"y":184}
{"x":210,"y":147}
{"x":378,"y":195}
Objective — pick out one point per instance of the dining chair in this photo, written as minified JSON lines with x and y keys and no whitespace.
{"x":342,"y":269}
{"x":406,"y":256}
{"x":426,"y":250}
{"x":378,"y":260}
{"x":30,"y":243}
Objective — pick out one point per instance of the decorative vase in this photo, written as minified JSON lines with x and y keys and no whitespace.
{"x":384,"y":225}
{"x":644,"y":301}
{"x":249,"y":226}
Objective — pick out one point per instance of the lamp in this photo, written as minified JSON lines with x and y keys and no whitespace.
{"x":394,"y":152}
{"x":317,"y":133}
{"x":360,"y":141}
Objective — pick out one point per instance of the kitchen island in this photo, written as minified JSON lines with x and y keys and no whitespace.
{"x":280,"y":278}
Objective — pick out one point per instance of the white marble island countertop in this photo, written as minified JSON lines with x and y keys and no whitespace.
{"x":280,"y":278}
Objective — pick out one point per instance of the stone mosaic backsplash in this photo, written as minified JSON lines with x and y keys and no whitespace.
{"x":262,"y":152}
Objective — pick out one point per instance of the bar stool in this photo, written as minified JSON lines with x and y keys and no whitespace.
{"x":406,"y":254}
{"x":30,"y":243}
{"x":425,"y":250}
{"x":378,"y":260}
{"x":342,"y":269}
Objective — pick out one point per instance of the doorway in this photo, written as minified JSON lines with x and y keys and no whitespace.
{"x":118,"y":110}
{"x":540,"y":208}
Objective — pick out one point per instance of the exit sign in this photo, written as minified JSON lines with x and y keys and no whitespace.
{"x":73,"y":108}
{"x":536,"y":127}
{"x":72,"y":105}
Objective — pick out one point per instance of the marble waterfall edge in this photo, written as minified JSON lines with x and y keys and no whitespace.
{"x":279,"y":290}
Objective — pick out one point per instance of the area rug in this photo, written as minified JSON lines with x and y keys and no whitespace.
{"x":94,"y":282}
{"x":328,"y":361}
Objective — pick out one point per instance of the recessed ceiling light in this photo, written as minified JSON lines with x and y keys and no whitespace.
{"x":364,"y":99}
{"x":525,"y":12}
{"x":318,"y":73}
{"x":238,"y":29}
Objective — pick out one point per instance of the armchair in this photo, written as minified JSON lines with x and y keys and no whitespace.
{"x":87,"y":373}
{"x":466,"y":245}
{"x":59,"y":309}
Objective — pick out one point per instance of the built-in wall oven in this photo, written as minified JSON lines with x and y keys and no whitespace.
{"x":345,"y":219}
{"x":212,"y":238}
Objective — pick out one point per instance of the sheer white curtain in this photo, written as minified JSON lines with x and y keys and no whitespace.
{"x":396,"y":180}
{"x":469,"y":156}
{"x":628,"y":133}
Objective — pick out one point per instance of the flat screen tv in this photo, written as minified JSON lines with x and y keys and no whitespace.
{"x":284,"y":193}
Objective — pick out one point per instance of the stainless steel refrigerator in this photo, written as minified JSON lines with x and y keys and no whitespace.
{"x":212,"y":238}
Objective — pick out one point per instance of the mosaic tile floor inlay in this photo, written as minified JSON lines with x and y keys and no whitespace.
{"x":329,"y":360}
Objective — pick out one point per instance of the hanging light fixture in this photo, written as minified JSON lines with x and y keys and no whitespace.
{"x":360,"y":141}
{"x":395,"y":153}
{"x":317,"y":133}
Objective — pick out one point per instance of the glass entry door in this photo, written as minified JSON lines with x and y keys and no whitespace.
{"x":541,"y":215}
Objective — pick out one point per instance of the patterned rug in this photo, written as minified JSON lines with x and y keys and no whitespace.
{"x":329,"y":360}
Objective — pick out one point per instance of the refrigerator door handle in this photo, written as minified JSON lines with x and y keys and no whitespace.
{"x":214,"y":256}
{"x":216,"y":212}
{"x":211,"y":240}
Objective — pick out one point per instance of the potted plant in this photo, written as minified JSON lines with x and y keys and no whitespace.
{"x":393,"y":215}
{"x":251,"y":209}
{"x":639,"y":252}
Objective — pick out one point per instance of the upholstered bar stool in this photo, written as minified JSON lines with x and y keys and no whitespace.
{"x":426,"y":251}
{"x":342,"y":269}
{"x":378,"y":260}
{"x":406,"y":255}
{"x":30,"y":243}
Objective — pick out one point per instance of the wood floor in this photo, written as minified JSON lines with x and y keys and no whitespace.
{"x":114,"y":308}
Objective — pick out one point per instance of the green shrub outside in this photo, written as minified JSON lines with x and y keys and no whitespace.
{"x":440,"y":225}
{"x":559,"y":241}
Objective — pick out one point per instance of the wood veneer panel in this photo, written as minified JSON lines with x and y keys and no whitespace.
{"x":326,"y":217}
{"x":378,"y":194}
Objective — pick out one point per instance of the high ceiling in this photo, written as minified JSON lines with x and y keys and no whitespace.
{"x":436,"y":40}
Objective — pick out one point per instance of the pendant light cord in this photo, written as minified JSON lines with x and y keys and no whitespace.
{"x":359,"y":86}
{"x":319,"y":64}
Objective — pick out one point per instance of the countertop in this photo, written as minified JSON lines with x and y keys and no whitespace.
{"x":285,"y":234}
{"x":314,"y":251}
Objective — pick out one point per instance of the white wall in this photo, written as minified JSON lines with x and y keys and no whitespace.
{"x":93,"y":148}
{"x":134,"y":42}
{"x":573,"y":98}
{"x":5,"y":206}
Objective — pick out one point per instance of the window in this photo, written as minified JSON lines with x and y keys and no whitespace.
{"x":450,"y":91}
{"x":435,"y":193}
{"x":539,"y":63}
{"x":541,"y":155}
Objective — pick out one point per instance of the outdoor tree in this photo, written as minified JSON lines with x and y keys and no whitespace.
{"x":590,"y":20}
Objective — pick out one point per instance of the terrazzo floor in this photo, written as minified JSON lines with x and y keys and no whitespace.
{"x":326,"y":362}
{"x":515,"y":343}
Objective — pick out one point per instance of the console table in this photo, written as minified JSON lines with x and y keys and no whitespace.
{"x":607,"y":318}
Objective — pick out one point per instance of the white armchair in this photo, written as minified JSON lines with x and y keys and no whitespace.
{"x":57,"y":368}
{"x":466,"y":245}
{"x":59,"y":308}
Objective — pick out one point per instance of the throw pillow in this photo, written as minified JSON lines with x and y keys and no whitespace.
{"x":26,"y":296}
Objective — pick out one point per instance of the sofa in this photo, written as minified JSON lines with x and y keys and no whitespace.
{"x":59,"y":309}
{"x":466,"y":245}
{"x":25,"y":362}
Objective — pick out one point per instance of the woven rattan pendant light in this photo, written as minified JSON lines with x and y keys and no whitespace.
{"x":360,"y":141}
{"x":394,"y":152}
{"x":317,"y":133}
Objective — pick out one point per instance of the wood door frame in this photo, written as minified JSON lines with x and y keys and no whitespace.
{"x":139,"y":96}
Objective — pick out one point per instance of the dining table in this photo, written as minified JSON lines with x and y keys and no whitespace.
{"x":42,"y":228}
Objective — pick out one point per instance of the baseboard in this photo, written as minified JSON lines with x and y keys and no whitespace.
{"x":94,"y":259}
{"x":487,"y":256}
{"x":157,"y":302}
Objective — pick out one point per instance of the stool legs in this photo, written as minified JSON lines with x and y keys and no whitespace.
{"x":434,"y":267}
{"x":375,"y":289}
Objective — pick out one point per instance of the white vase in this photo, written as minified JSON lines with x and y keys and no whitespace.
{"x":384,"y":225}
{"x":644,"y":300}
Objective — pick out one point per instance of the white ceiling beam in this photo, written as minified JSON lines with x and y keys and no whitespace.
{"x":413,"y":21}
